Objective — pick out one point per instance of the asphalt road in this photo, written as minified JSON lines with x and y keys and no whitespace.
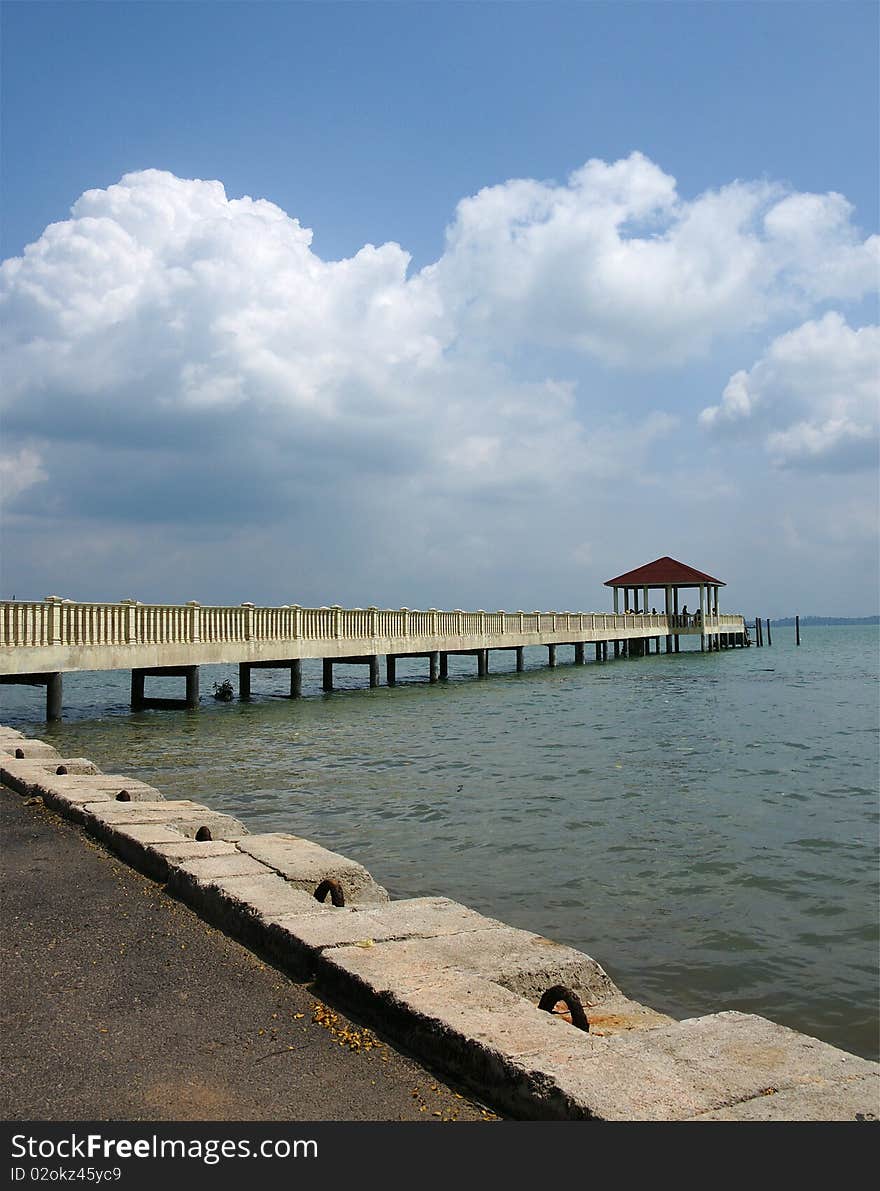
{"x":119,"y":1003}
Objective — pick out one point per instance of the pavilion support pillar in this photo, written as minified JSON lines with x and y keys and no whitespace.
{"x":434,"y":666}
{"x":244,"y":682}
{"x":326,"y":674}
{"x":520,"y":658}
{"x":551,"y":655}
{"x":578,"y":653}
{"x":444,"y":664}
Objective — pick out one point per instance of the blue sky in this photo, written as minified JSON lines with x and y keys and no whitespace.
{"x":673,"y":354}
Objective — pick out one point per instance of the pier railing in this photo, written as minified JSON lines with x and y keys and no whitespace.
{"x":59,"y":622}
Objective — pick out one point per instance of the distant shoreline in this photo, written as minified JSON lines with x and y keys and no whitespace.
{"x":828,"y":620}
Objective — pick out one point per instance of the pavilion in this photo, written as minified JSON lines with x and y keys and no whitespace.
{"x":670,"y":576}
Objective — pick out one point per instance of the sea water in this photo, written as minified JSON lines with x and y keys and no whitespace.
{"x":704,"y":825}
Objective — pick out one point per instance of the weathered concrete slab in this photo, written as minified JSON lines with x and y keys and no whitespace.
{"x":459,"y":1021}
{"x":685,"y":1070}
{"x":7,"y":734}
{"x":30,"y":750}
{"x":190,"y":818}
{"x":25,"y":776}
{"x":855,"y":1099}
{"x":137,"y":844}
{"x":244,"y":903}
{"x":523,"y":962}
{"x":409,"y":918}
{"x":306,"y":935}
{"x":305,"y":864}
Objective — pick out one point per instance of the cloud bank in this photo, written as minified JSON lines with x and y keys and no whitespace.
{"x":174,"y":356}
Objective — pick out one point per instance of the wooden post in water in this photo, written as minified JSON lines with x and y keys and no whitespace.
{"x":797,"y":630}
{"x":769,"y":638}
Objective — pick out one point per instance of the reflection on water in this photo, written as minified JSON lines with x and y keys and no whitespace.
{"x":704,"y":824}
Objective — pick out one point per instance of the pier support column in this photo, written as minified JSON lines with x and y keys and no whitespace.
{"x":579,"y":653}
{"x":53,"y":696}
{"x":327,"y":675}
{"x":296,"y":678}
{"x":551,"y":655}
{"x":192,"y":686}
{"x":617,"y":649}
{"x":598,"y":649}
{"x":669,"y":644}
{"x":520,"y":659}
{"x":137,"y":690}
{"x":444,"y":664}
{"x":374,"y":670}
{"x":391,"y":669}
{"x":482,"y":663}
{"x":433,"y":667}
{"x":604,"y":651}
{"x":244,"y":682}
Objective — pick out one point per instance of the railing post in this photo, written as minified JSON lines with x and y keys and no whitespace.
{"x":522,"y":621}
{"x":404,"y":612}
{"x":502,"y":614}
{"x":337,"y":618}
{"x":130,"y":621}
{"x":374,"y":620}
{"x":195,"y":620}
{"x":432,"y":612}
{"x":482,"y":622}
{"x":458,"y":622}
{"x":248,"y":620}
{"x":53,"y":616}
{"x":297,"y":621}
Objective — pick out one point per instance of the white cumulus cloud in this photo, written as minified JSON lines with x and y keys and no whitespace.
{"x":176,"y":357}
{"x":813,"y":397}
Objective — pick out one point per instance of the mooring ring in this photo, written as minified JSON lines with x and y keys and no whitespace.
{"x":329,"y":885}
{"x":572,"y":1002}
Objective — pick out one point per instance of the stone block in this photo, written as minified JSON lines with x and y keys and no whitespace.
{"x":305,"y":864}
{"x":244,"y":904}
{"x":409,"y":918}
{"x":525,"y":963}
{"x":852,"y":1099}
{"x":684,"y":1070}
{"x":25,"y":777}
{"x":190,"y":818}
{"x":30,"y":750}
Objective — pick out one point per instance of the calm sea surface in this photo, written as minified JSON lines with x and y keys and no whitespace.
{"x":705,"y":825}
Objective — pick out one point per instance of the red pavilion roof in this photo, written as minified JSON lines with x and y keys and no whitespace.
{"x":664,"y":572}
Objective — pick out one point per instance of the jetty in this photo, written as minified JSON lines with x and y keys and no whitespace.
{"x":41,"y":641}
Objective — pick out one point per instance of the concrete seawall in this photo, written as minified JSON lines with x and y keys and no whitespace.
{"x":457,"y":989}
